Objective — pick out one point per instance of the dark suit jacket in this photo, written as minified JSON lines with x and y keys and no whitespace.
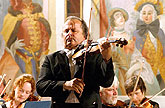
{"x":55,"y":71}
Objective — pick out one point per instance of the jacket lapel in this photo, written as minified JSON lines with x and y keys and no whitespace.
{"x":66,"y":69}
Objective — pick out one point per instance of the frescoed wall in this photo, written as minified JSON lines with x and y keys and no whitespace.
{"x":134,"y":58}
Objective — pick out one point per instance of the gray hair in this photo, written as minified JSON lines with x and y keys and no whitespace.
{"x":115,"y":83}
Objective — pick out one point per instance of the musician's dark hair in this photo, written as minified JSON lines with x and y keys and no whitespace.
{"x":83,"y":24}
{"x":130,"y":83}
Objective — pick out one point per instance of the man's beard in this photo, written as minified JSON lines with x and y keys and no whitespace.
{"x":111,"y":101}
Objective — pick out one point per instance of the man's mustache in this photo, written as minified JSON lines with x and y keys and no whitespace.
{"x":69,"y":39}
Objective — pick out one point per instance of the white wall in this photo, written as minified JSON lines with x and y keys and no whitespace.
{"x":45,"y":8}
{"x":54,"y":11}
{"x":86,"y":11}
{"x":60,"y":17}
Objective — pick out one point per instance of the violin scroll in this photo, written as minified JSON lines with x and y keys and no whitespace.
{"x":121,"y":42}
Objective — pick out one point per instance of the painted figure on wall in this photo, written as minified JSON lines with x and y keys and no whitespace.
{"x":3,"y":10}
{"x":118,"y":16}
{"x":26,"y":33}
{"x":128,"y":60}
{"x":150,"y":38}
{"x":8,"y":65}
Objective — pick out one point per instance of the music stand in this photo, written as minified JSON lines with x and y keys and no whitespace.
{"x":38,"y":104}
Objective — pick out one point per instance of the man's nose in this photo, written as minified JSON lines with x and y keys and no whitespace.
{"x":70,"y":32}
{"x":134,"y":97}
{"x":115,"y":92}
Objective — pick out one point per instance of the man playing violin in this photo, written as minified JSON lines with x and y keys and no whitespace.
{"x":109,"y":96}
{"x":67,"y":80}
{"x":138,"y":97}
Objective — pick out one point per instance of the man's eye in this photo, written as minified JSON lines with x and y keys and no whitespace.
{"x":20,"y":90}
{"x":28,"y":92}
{"x":137,"y":93}
{"x":73,"y":30}
{"x":66,"y":31}
{"x":110,"y":90}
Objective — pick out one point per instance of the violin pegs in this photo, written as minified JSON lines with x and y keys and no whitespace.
{"x":117,"y":45}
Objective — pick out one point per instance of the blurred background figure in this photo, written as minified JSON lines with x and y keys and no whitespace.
{"x":150,"y":37}
{"x":26,"y":33}
{"x":23,"y":90}
{"x":109,"y":95}
{"x":128,"y":60}
{"x":8,"y":65}
{"x":118,"y":17}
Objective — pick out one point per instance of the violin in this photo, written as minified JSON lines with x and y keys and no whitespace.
{"x":94,"y":47}
{"x":34,"y":98}
{"x":121,"y":104}
{"x":144,"y":104}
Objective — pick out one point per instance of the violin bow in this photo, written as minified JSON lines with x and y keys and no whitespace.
{"x":137,"y":80}
{"x":5,"y":87}
{"x":4,"y":75}
{"x":152,"y":97}
{"x":87,"y":45}
{"x":109,"y":32}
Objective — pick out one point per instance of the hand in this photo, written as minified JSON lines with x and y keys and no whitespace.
{"x":75,"y":84}
{"x":18,"y":44}
{"x":105,"y":48}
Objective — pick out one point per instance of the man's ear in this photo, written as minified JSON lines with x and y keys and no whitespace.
{"x":143,"y":93}
{"x":100,"y":93}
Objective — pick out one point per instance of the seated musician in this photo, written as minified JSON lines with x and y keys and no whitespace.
{"x":2,"y":86}
{"x":109,"y":95}
{"x":138,"y":97}
{"x":23,"y":90}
